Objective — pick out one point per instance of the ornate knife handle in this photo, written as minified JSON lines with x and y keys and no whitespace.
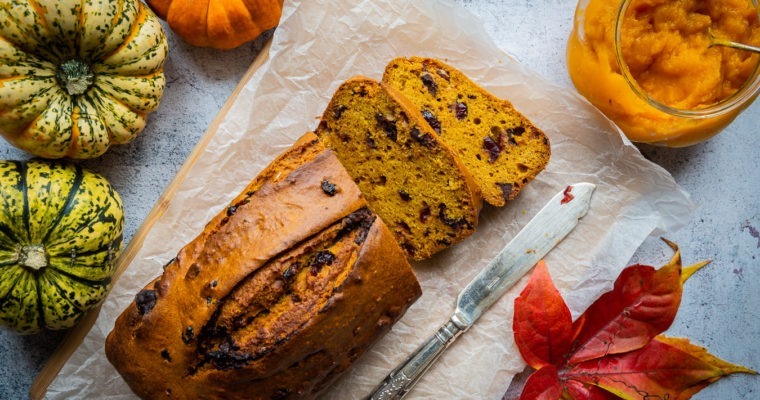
{"x":401,"y":380}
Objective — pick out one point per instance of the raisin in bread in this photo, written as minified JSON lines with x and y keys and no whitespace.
{"x":412,"y":180}
{"x":277,"y":296}
{"x":501,"y":148}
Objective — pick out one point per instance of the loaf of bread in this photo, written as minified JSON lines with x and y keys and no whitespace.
{"x":307,"y":267}
{"x":277,"y":296}
{"x":501,"y":148}
{"x":411,"y":179}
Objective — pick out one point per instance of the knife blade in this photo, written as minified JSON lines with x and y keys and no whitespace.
{"x":542,"y":233}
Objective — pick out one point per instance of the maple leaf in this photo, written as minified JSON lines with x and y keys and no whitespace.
{"x":615,"y":348}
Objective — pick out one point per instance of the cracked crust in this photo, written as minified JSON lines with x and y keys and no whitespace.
{"x":278,"y":295}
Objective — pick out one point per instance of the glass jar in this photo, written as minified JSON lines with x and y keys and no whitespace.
{"x":648,"y":65}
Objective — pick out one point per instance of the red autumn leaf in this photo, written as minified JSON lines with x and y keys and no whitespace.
{"x":581,"y":390}
{"x":615,"y":351}
{"x":701,"y":353}
{"x":542,"y":321}
{"x":642,"y":304}
{"x":543,"y":384}
{"x":663,"y":369}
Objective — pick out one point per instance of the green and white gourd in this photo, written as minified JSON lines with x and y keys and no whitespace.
{"x":78,"y":75}
{"x":60,"y":233}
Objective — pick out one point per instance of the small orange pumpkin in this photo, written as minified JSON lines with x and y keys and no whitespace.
{"x":221,"y":24}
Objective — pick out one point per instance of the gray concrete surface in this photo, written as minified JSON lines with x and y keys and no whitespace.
{"x":721,"y":304}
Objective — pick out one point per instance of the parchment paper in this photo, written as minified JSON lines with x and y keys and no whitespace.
{"x":319,"y":44}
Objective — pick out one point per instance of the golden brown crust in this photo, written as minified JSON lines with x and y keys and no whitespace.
{"x":277,"y":296}
{"x":500,"y":147}
{"x":415,"y":183}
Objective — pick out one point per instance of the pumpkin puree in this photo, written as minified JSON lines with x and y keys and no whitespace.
{"x":665,"y":44}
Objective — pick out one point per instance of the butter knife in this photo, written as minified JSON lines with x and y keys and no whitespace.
{"x":532,"y":243}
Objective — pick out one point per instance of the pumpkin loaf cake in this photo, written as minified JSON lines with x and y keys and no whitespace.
{"x":500,"y":147}
{"x":277,"y":296}
{"x":411,"y":179}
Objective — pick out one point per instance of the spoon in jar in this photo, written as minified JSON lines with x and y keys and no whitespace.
{"x":715,"y":41}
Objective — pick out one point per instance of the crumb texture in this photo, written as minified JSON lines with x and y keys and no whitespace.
{"x":501,"y":148}
{"x":411,"y":179}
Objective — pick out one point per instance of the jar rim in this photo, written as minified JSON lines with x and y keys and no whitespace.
{"x":742,"y":96}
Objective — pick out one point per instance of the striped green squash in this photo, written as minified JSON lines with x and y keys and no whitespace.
{"x":78,"y":75}
{"x":60,"y":233}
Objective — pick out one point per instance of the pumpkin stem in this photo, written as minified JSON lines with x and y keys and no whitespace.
{"x":75,"y":76}
{"x":33,"y":256}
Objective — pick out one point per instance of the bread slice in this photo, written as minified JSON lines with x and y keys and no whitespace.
{"x":501,"y":148}
{"x":411,"y":179}
{"x":275,"y":298}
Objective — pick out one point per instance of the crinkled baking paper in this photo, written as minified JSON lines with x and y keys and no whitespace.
{"x":321,"y":43}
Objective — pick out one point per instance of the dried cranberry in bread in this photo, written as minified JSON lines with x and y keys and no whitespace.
{"x":410,"y":178}
{"x":501,"y":148}
{"x":277,"y":296}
